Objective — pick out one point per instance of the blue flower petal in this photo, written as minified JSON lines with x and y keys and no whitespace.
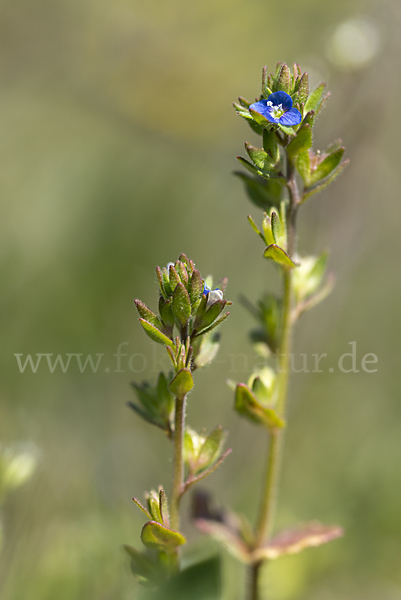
{"x":264,"y":110}
{"x":291,"y":117}
{"x":281,"y":98}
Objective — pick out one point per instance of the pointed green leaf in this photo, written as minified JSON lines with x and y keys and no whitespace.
{"x":303,"y":88}
{"x":195,"y":290}
{"x":142,"y":508}
{"x":314,"y":98}
{"x":147,"y":314}
{"x":255,"y":227}
{"x":317,"y":188}
{"x":211,"y":449}
{"x":259,"y":157}
{"x":244,"y":102}
{"x":182,"y":272}
{"x":182,"y":383}
{"x":166,"y":313}
{"x":163,"y":503}
{"x":270,"y":144}
{"x":248,"y":405}
{"x":301,"y":142}
{"x":215,"y":324}
{"x":147,"y":416}
{"x":153,"y":506}
{"x":279,"y":233}
{"x":327,"y":166}
{"x":155,"y":334}
{"x":279,"y":256}
{"x":253,"y":169}
{"x":173,"y":277}
{"x":263,"y":193}
{"x":159,"y":276}
{"x":166,"y":282}
{"x":181,"y":304}
{"x":259,"y":118}
{"x":267,"y":230}
{"x":208,"y":348}
{"x":242,"y":111}
{"x":212,"y":313}
{"x":284,"y":79}
{"x":155,"y":535}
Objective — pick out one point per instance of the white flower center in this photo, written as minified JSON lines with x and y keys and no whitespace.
{"x":276,"y":111}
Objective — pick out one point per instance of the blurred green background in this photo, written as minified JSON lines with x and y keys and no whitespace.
{"x":117,"y":145}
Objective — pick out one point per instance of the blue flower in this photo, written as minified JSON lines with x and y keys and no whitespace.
{"x":278,"y":109}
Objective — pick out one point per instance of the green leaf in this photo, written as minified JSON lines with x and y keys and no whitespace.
{"x":164,"y":507}
{"x":211,"y":449}
{"x":264,"y":194}
{"x":141,"y":565}
{"x":147,"y":314}
{"x":248,"y":405}
{"x":279,"y":233}
{"x":173,"y":277}
{"x":215,"y":324}
{"x":242,"y":111}
{"x":211,"y":314}
{"x":207,"y":350}
{"x":279,"y":256}
{"x":166,"y":313}
{"x":166,"y":282}
{"x":284,"y":79}
{"x":314,"y":98}
{"x":317,"y":273}
{"x":255,"y":227}
{"x":303,"y":88}
{"x":201,"y":581}
{"x":155,"y":535}
{"x":253,"y":169}
{"x":318,"y":188}
{"x":244,"y":102}
{"x":155,"y":334}
{"x":270,"y":144}
{"x":287,"y":130}
{"x":182,"y":383}
{"x":142,"y":508}
{"x":182,"y":272}
{"x":301,"y":142}
{"x":259,"y":157}
{"x":303,"y":166}
{"x":154,"y":507}
{"x":195,"y":290}
{"x":267,"y":230}
{"x":327,"y":166}
{"x":259,"y":119}
{"x":181,"y":304}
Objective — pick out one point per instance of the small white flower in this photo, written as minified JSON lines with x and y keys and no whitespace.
{"x":213,"y":296}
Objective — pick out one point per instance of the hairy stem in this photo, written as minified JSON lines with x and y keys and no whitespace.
{"x":266,"y":516}
{"x":178,"y":473}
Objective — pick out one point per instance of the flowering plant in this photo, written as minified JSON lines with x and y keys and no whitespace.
{"x":284,"y":172}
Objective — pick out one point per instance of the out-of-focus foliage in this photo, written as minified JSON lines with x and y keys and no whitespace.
{"x":117,"y":129}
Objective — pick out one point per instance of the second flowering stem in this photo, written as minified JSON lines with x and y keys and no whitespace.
{"x":178,"y":469}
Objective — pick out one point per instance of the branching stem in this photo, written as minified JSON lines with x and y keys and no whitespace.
{"x":266,"y":516}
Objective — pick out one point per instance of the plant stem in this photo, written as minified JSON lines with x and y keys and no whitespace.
{"x":178,"y":473}
{"x":276,"y":438}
